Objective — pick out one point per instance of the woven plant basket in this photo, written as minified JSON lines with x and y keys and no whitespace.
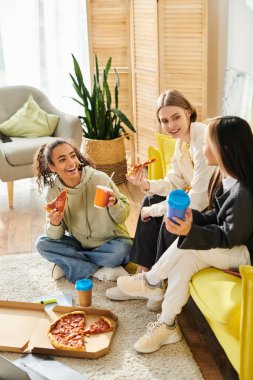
{"x":108,"y":156}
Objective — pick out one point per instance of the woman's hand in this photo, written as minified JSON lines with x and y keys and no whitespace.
{"x":183,"y":227}
{"x":145,"y":214}
{"x":55,"y":217}
{"x":138,"y":180}
{"x":112,"y":200}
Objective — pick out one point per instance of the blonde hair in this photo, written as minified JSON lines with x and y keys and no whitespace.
{"x":175,"y":98}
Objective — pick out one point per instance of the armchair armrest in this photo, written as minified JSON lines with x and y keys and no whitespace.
{"x":70,"y":127}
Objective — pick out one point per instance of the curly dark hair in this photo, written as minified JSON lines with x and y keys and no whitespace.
{"x":43,"y":157}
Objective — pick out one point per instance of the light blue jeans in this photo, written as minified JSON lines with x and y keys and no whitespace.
{"x":78,"y":262}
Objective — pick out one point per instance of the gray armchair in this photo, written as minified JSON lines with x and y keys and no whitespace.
{"x":16,"y":157}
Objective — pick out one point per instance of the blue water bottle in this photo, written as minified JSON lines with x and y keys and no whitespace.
{"x":178,"y":201}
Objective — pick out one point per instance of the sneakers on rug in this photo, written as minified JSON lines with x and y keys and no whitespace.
{"x":57,"y":272}
{"x":154,"y":305}
{"x":158,"y":334}
{"x":137,"y":285}
{"x":116,"y":294}
{"x":110,"y":274}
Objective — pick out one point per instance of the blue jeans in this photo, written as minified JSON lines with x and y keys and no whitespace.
{"x":78,"y":262}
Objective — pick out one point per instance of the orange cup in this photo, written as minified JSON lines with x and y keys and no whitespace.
{"x":102,"y":196}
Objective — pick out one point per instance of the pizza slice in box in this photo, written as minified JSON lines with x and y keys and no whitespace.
{"x":58,"y":203}
{"x":67,"y":332}
{"x":134,"y":169}
{"x":101,"y":325}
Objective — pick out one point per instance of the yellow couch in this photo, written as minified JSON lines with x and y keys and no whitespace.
{"x":225,"y":300}
{"x":163,"y":154}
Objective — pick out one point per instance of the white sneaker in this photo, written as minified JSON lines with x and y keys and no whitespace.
{"x":137,"y":285}
{"x":116,"y":294}
{"x":158,"y":334}
{"x":110,"y":274}
{"x":154,"y":305}
{"x":57,"y":272}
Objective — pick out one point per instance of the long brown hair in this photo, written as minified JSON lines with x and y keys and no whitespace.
{"x":175,"y":98}
{"x":232,"y":142}
{"x":213,"y":186}
{"x":43,"y":157}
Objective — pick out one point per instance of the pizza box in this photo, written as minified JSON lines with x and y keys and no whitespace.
{"x":24,"y":327}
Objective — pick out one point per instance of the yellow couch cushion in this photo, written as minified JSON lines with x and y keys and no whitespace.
{"x":155,"y":170}
{"x":219,"y":296}
{"x":166,"y":146}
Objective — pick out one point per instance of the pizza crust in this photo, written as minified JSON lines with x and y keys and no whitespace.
{"x":62,"y":346}
{"x":110,"y":328}
{"x":95,"y":325}
{"x":58,"y":203}
{"x":134,"y":169}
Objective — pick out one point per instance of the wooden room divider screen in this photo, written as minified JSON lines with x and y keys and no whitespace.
{"x":155,"y":45}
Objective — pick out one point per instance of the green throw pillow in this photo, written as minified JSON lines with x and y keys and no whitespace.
{"x":30,"y":121}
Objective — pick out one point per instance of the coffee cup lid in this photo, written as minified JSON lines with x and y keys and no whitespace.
{"x":178,"y":199}
{"x":84,"y":284}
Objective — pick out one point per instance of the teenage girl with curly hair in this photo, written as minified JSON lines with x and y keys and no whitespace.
{"x":82,"y":241}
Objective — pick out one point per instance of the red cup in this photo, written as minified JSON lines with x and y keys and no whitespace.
{"x":102,"y":196}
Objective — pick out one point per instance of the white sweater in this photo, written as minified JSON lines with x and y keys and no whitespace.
{"x":186,"y":171}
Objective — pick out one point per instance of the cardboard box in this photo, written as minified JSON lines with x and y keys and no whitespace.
{"x":24,"y":327}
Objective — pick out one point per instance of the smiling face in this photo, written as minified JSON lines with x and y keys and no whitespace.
{"x":66,"y":164}
{"x":175,"y":121}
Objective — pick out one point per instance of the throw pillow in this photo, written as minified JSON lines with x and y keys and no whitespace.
{"x":30,"y":121}
{"x":166,"y":145}
{"x":155,"y":170}
{"x":4,"y":138}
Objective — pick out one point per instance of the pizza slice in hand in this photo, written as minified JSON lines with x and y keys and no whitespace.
{"x":101,"y":325}
{"x":134,"y":169}
{"x":58,"y":203}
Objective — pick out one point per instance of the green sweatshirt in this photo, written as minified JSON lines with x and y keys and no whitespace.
{"x":89,"y":225}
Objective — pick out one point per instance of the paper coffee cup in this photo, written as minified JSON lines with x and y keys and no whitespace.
{"x":84,"y":290}
{"x":178,"y":202}
{"x":102,"y":196}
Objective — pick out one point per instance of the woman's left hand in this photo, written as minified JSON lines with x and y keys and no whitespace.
{"x":183,"y":227}
{"x":112,"y":201}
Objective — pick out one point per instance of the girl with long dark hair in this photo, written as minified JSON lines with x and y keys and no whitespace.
{"x":222,"y":237}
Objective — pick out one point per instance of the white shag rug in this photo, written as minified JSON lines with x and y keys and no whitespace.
{"x":26,"y":276}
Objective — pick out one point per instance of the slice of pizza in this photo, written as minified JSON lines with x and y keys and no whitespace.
{"x":99,"y":326}
{"x":67,"y":332}
{"x":58,"y":203}
{"x":134,"y":169}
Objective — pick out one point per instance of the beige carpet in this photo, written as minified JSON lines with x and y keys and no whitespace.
{"x":24,"y":277}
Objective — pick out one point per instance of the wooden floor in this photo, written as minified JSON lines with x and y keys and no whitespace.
{"x":20,"y":227}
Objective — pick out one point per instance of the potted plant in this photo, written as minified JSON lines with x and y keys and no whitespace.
{"x":104,"y":125}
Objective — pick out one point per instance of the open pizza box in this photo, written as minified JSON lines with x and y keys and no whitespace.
{"x":24,"y":327}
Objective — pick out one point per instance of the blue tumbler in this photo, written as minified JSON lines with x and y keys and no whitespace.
{"x":178,"y":201}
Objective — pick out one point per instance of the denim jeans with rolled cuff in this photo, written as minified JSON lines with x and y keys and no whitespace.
{"x":78,"y":262}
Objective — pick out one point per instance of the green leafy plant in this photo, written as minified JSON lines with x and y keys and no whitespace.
{"x":101,"y":121}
